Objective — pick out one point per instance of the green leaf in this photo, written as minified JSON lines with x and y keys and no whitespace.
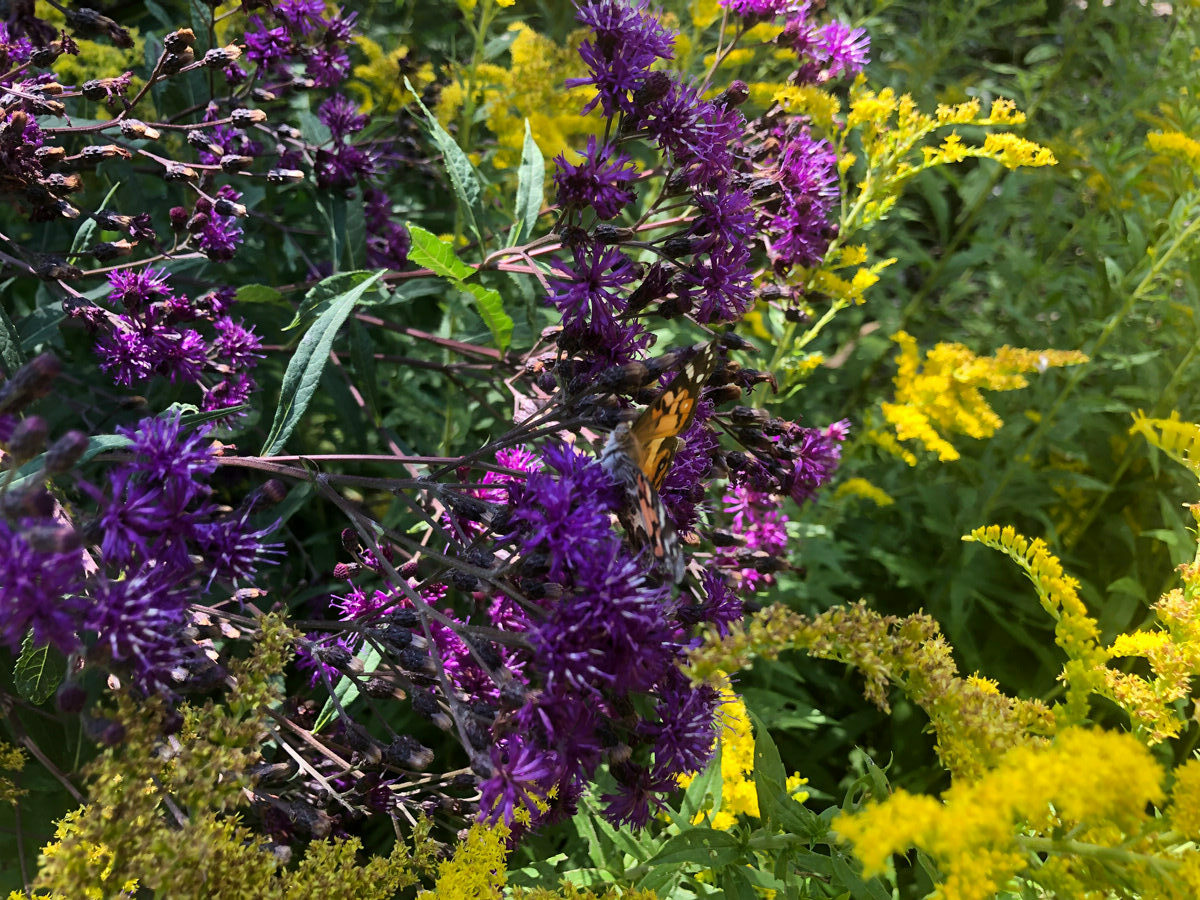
{"x":858,"y":888}
{"x":705,"y":786}
{"x":705,"y":847}
{"x":736,"y":885}
{"x":39,"y":670}
{"x":11,"y":357}
{"x":463,"y":176}
{"x":490,"y":307}
{"x":435,"y":254}
{"x":362,"y":355}
{"x":304,"y":370}
{"x":257,"y":293}
{"x":531,"y":178}
{"x":346,"y":690}
{"x":770,"y":784}
{"x":323,"y":294}
{"x":87,"y":228}
{"x":41,"y":326}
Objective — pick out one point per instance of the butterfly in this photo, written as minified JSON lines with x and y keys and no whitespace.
{"x":638,"y":456}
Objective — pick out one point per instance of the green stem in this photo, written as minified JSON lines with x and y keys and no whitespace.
{"x":1097,"y":852}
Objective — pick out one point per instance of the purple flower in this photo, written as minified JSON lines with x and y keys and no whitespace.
{"x":138,"y":622}
{"x":699,"y":137}
{"x":344,"y":166}
{"x":763,"y":8}
{"x":231,"y":548}
{"x":685,"y":735}
{"x":686,"y":480}
{"x":720,"y":285}
{"x":599,"y":180}
{"x":818,"y":453}
{"x":626,"y":41}
{"x":264,"y":45}
{"x":39,"y":585}
{"x":842,"y":49}
{"x":521,"y":774}
{"x":589,"y":295}
{"x":761,"y":524}
{"x":301,"y":16}
{"x":229,"y":392}
{"x":341,"y":116}
{"x":327,"y":65}
{"x":388,"y":241}
{"x":137,"y":288}
{"x":806,"y":171}
{"x":638,"y":795}
{"x":221,"y":235}
{"x":235,"y":345}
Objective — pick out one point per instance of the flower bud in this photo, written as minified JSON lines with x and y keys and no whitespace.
{"x":70,"y":697}
{"x":243,"y":117}
{"x":97,"y":153}
{"x":178,"y":41}
{"x":225,"y":207}
{"x":53,"y":538}
{"x":285,"y":176}
{"x":106,"y":251}
{"x":179,"y":172}
{"x":198,"y":223}
{"x":89,"y":23}
{"x":179,"y":217}
{"x":31,"y":381}
{"x":736,"y":94}
{"x":221,"y":56}
{"x":655,"y":87}
{"x":57,"y":270}
{"x":134,"y":129}
{"x":172,"y":63}
{"x":50,"y":156}
{"x":28,"y":438}
{"x":232,"y":162}
{"x":65,"y":452}
{"x":408,"y":753}
{"x":60,"y":185}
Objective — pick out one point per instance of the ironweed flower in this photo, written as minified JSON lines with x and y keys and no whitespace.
{"x":626,"y":40}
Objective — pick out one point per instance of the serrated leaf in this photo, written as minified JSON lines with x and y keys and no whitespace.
{"x":323,"y":294}
{"x":435,"y":254}
{"x":303,"y":373}
{"x":346,"y":690}
{"x":490,"y":306}
{"x":39,"y":671}
{"x":463,"y":176}
{"x":531,"y":178}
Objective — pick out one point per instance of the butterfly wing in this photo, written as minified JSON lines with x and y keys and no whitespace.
{"x":656,"y":431}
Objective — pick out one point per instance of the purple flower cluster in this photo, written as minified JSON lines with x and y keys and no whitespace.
{"x":152,"y":331}
{"x":160,"y":542}
{"x":301,"y":34}
{"x":603,"y":674}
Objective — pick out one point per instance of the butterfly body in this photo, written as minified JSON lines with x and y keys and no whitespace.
{"x":638,"y":456}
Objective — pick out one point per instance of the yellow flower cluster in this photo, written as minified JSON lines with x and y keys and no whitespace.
{"x":531,"y":87}
{"x":738,"y":794}
{"x":379,"y":82}
{"x":860,"y":487}
{"x":940,"y":395}
{"x":1074,"y":631}
{"x":1177,"y":145}
{"x":975,"y":723}
{"x":1179,"y":440}
{"x":1093,"y":786}
{"x":893,"y":130}
{"x":476,"y":871}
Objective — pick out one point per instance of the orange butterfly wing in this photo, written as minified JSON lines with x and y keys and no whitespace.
{"x":656,"y":431}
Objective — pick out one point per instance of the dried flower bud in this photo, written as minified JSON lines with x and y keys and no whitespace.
{"x":226,"y":207}
{"x":797,"y":314}
{"x":97,"y":153}
{"x":57,"y":270}
{"x":61,"y":185}
{"x":612,"y":234}
{"x":50,"y":155}
{"x":178,"y":216}
{"x":31,"y":381}
{"x":221,"y":56}
{"x":33,"y":501}
{"x":28,"y":438}
{"x":232,"y":162}
{"x":179,"y":172}
{"x":677,"y":246}
{"x":89,"y":23}
{"x":736,"y":94}
{"x":178,"y":41}
{"x":285,"y":176}
{"x":262,"y":95}
{"x":172,"y":63}
{"x":66,"y":210}
{"x":243,"y":117}
{"x":110,"y":250}
{"x":133,"y":129}
{"x":408,"y":753}
{"x":65,"y":452}
{"x":748,"y":415}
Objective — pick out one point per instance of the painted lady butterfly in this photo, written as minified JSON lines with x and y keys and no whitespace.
{"x":638,"y":456}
